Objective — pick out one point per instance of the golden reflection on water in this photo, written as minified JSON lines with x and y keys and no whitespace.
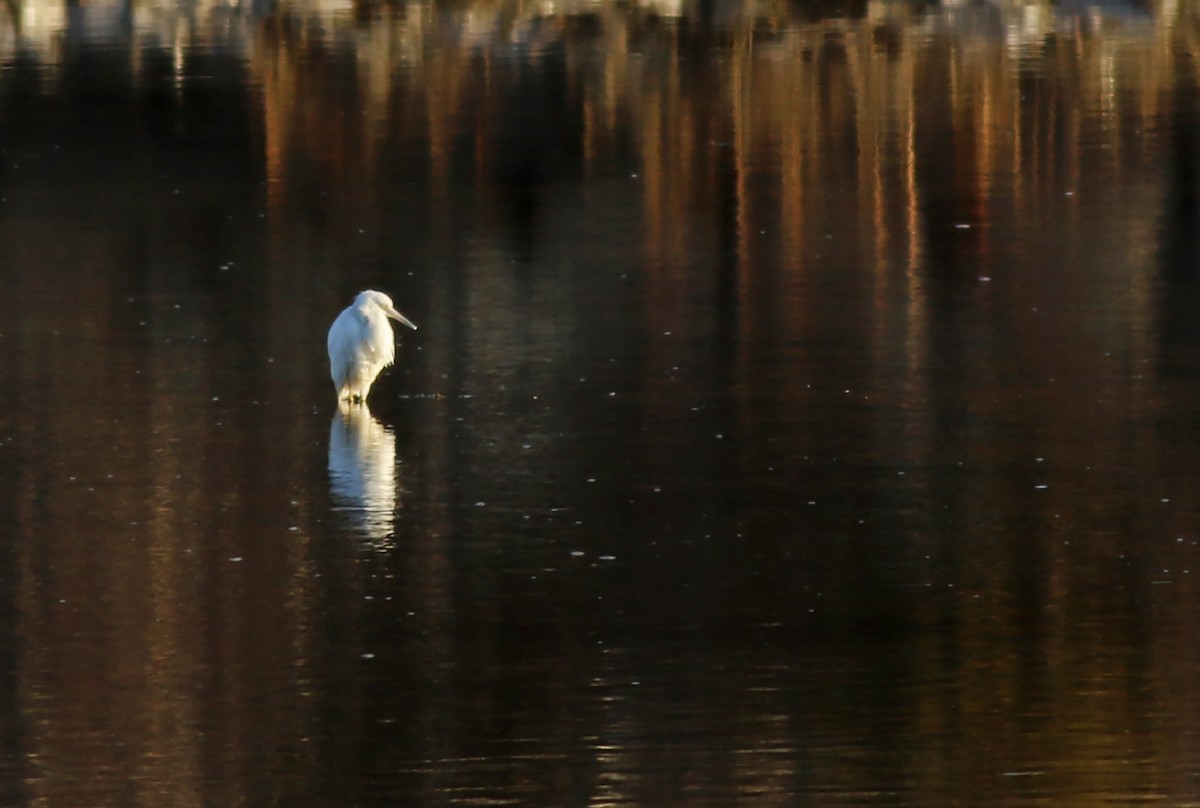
{"x":145,"y":615}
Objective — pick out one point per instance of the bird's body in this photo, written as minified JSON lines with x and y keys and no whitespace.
{"x":361,"y":343}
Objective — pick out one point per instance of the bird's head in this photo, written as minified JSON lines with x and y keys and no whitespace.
{"x":373,"y":299}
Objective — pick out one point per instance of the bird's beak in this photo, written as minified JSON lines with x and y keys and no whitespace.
{"x":400,"y":318}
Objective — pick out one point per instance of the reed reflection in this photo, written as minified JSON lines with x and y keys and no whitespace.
{"x":362,"y":471}
{"x":824,"y":266}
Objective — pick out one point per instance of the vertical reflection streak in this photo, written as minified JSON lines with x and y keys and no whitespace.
{"x":362,"y":471}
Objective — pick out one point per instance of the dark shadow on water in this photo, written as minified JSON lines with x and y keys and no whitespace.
{"x":1179,"y":252}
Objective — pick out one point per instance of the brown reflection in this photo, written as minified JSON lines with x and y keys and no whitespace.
{"x":155,"y":602}
{"x":902,"y":265}
{"x":933,"y":178}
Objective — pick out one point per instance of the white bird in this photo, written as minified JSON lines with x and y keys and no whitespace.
{"x":361,"y":343}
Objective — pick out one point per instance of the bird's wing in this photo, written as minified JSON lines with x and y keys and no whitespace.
{"x":342,"y":343}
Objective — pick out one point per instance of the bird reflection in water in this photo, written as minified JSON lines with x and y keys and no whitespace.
{"x":362,"y":471}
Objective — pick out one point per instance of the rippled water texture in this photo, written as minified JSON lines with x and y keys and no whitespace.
{"x":805,"y":410}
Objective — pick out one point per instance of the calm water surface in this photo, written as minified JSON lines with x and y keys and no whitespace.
{"x":805,"y":411}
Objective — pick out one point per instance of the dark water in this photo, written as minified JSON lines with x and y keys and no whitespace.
{"x":805,"y":411}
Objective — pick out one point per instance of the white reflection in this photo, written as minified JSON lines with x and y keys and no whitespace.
{"x":362,"y":470}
